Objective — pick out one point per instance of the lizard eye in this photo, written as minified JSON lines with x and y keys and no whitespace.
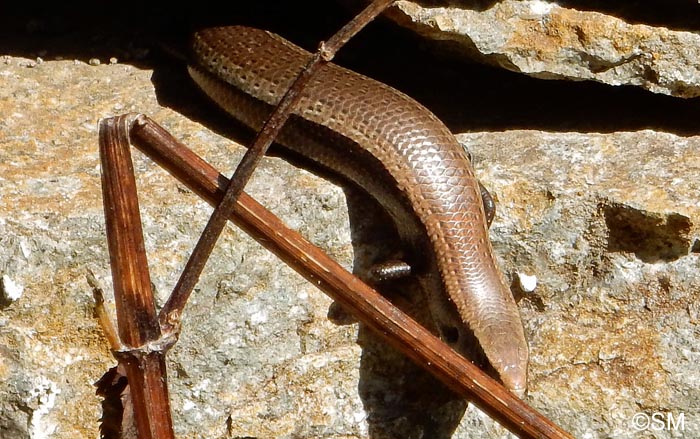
{"x":450,"y":334}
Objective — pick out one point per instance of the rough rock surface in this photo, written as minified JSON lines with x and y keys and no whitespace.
{"x":606,"y":223}
{"x":288,"y":358}
{"x":545,"y":40}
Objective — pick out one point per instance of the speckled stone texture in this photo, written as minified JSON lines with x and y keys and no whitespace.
{"x":272,"y":325}
{"x":606,"y":221}
{"x":545,"y":40}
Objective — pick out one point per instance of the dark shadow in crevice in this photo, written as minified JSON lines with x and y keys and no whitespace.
{"x":465,"y":95}
{"x":650,"y":237}
{"x":673,"y":14}
{"x":400,"y":398}
{"x":696,"y":246}
{"x":473,"y":97}
{"x":5,"y":302}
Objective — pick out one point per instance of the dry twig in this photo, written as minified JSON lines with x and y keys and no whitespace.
{"x":144,"y":336}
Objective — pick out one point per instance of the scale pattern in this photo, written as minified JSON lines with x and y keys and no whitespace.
{"x":421,"y":159}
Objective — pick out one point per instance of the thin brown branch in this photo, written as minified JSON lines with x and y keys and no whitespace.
{"x":136,"y":314}
{"x":369,"y":306}
{"x":170,"y":314}
{"x":338,"y":40}
{"x":102,"y":315}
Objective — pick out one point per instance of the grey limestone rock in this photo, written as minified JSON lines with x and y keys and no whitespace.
{"x":598,"y":233}
{"x":545,"y":40}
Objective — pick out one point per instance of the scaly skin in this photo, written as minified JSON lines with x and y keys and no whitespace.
{"x":402,"y":155}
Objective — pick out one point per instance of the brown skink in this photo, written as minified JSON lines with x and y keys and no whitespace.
{"x":403,"y":156}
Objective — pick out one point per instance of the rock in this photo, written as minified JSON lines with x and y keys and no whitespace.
{"x":10,"y":290}
{"x":257,"y":349}
{"x":545,"y":40}
{"x":607,"y":223}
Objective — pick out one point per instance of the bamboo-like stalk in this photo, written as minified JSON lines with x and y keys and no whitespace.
{"x":200,"y":254}
{"x":365,"y":303}
{"x":136,"y":314}
{"x":139,"y":327}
